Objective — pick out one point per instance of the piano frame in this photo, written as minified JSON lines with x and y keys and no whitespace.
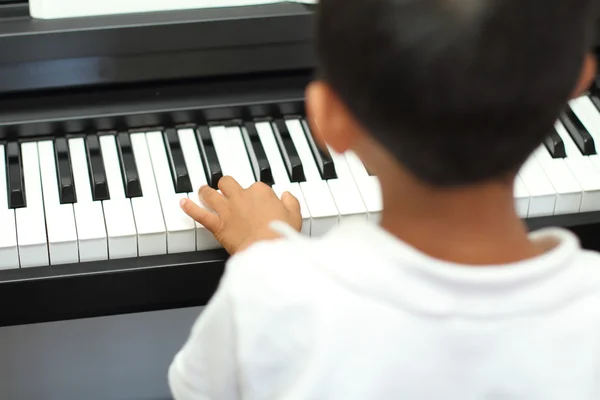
{"x":151,"y":70}
{"x":138,"y":48}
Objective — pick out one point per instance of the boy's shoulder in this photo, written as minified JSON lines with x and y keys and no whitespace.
{"x":296,"y":269}
{"x":277,"y":265}
{"x":359,"y":258}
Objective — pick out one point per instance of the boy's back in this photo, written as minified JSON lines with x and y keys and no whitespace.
{"x":359,"y":315}
{"x":449,"y":296}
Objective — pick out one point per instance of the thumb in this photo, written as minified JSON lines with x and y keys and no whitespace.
{"x":290,"y":202}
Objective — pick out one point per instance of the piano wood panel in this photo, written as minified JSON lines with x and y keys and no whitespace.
{"x":133,"y":48}
{"x":123,"y":357}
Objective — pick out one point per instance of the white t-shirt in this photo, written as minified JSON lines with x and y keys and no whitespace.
{"x":358,"y":314}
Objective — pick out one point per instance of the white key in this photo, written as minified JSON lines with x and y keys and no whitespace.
{"x":344,"y":174}
{"x":118,"y":213}
{"x":31,"y":223}
{"x":317,"y":193}
{"x":280,"y":175}
{"x":205,"y":240}
{"x":542,"y":196}
{"x":521,"y":196}
{"x":568,"y":191}
{"x":583,"y":170}
{"x":369,"y":186}
{"x":181,"y":234}
{"x":352,"y":199}
{"x":344,"y":190}
{"x":152,"y":233}
{"x":9,"y":253}
{"x":232,"y":154}
{"x":89,"y":215}
{"x":60,"y":218}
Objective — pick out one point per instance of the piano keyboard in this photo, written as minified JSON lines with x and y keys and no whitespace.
{"x":116,"y":195}
{"x":107,"y":196}
{"x":563,"y":175}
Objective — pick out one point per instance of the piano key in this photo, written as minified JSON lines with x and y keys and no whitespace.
{"x":368,"y":185}
{"x":352,"y":199}
{"x":577,"y":131}
{"x":521,"y":196}
{"x":89,"y":216}
{"x":589,"y":116}
{"x":64,"y":172}
{"x":149,"y":220}
{"x":63,"y":246}
{"x":30,"y":220}
{"x":232,"y":154}
{"x":96,"y":168}
{"x":212,"y":166}
{"x":568,"y":190}
{"x":205,"y":240}
{"x":9,"y":251}
{"x":118,"y":213}
{"x":179,"y":172}
{"x":256,"y":152}
{"x":542,"y":196}
{"x":129,"y":171}
{"x":583,"y":169}
{"x":555,"y":145}
{"x":280,"y":174}
{"x":181,"y":235}
{"x":594,"y":96}
{"x":16,"y":185}
{"x":289,"y":153}
{"x":595,"y":86}
{"x":318,"y":194}
{"x":322,"y":156}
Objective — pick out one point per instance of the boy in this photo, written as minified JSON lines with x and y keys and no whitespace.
{"x":449,"y":297}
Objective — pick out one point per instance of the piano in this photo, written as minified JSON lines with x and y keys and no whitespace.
{"x":105,"y":122}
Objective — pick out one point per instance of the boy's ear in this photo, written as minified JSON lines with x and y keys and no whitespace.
{"x":329,"y":119}
{"x":587,"y":76}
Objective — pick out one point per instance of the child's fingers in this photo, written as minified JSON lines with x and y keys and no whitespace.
{"x":204,"y":217}
{"x":213,"y":199}
{"x":290,"y":202}
{"x":229,"y":186}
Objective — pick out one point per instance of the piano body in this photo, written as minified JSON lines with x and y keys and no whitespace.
{"x":106,"y":121}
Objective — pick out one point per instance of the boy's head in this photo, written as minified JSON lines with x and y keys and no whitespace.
{"x":458,"y":91}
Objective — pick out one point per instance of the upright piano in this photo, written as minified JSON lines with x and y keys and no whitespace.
{"x":106,"y":121}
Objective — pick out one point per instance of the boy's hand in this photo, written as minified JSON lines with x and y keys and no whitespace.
{"x":241,"y":217}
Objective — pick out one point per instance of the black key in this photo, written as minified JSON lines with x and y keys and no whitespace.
{"x":290,"y":156}
{"x":209,"y":156}
{"x":596,"y":100}
{"x":322,"y":156}
{"x":179,"y":172}
{"x":64,"y":172}
{"x":256,"y":152}
{"x":555,"y":145}
{"x":133,"y":187}
{"x":577,"y":131}
{"x":96,"y":166}
{"x":14,"y":172}
{"x":595,"y":87}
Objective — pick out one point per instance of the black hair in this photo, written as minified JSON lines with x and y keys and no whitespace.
{"x":459,"y":91}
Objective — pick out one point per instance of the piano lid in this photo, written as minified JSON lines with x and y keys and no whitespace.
{"x":159,"y":46}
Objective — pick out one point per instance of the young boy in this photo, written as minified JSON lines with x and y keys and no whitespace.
{"x":449,"y":297}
